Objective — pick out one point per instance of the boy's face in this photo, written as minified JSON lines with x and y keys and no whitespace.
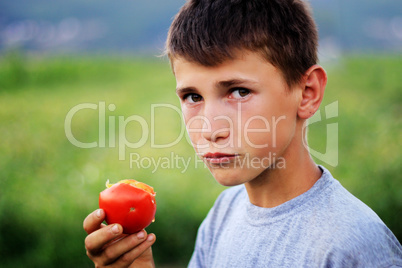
{"x":240,"y":115}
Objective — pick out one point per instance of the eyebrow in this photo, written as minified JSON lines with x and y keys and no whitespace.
{"x":233,"y":82}
{"x":220,"y":84}
{"x":185,"y":90}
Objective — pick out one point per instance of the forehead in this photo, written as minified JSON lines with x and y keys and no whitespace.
{"x":237,"y":56}
{"x":245,"y":66}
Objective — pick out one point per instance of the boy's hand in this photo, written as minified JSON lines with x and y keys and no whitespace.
{"x":107,"y":246}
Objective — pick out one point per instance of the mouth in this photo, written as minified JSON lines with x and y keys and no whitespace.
{"x":219,"y":158}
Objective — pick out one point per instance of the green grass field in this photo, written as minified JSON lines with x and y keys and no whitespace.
{"x":48,"y":185}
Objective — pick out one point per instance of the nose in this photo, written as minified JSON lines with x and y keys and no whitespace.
{"x":216,"y":126}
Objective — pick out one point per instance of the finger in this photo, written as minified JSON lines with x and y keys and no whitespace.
{"x":93,"y":221}
{"x":130,"y":256}
{"x":116,"y":249}
{"x":95,"y":241}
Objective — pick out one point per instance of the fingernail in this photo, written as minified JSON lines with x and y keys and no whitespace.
{"x":151,"y":237}
{"x":99,"y":213}
{"x":140,"y":235}
{"x":115,"y":229}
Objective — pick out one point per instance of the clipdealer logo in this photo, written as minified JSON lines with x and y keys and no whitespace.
{"x":109,"y":125}
{"x":147,"y":130}
{"x":330,"y":155}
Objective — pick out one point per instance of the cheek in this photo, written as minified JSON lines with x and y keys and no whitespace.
{"x":268,"y":131}
{"x":257,"y":132}
{"x":194,"y":127}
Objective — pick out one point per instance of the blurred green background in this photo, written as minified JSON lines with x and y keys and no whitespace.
{"x":57,"y":55}
{"x":48,"y":185}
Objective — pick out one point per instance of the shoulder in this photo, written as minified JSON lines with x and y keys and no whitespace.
{"x":369,"y":244}
{"x":338,"y":204}
{"x":227,"y":202}
{"x":225,"y":206}
{"x":354,"y":232}
{"x":363,"y":238}
{"x":230,"y":196}
{"x":349,"y":212}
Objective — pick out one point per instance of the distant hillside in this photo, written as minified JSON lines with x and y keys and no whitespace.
{"x":134,"y":25}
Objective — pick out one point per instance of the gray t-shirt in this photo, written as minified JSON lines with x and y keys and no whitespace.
{"x":324,"y":227}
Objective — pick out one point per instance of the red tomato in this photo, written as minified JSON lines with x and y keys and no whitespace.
{"x":130,"y":203}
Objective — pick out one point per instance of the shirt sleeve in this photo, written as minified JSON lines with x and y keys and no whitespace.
{"x":198,"y":258}
{"x":371,"y":246}
{"x":208,"y":230}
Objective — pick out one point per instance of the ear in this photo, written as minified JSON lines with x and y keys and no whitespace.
{"x":314,"y":82}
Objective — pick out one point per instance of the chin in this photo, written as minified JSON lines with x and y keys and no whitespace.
{"x":228,"y":183}
{"x":228,"y":178}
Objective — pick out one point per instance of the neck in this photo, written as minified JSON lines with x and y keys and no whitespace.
{"x":276,"y":185}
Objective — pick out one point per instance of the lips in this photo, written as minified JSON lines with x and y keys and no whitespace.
{"x":219,"y":158}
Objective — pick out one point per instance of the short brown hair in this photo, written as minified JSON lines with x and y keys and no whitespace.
{"x":210,"y":31}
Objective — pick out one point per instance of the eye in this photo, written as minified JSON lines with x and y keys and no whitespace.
{"x":192,"y":98}
{"x":240,"y":92}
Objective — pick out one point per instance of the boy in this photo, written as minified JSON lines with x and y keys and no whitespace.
{"x":247,"y":80}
